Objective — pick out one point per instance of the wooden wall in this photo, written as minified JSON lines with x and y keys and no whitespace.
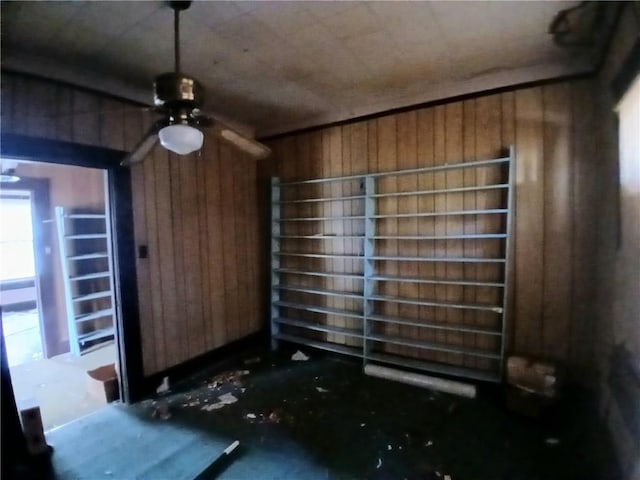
{"x":551,"y":128}
{"x":69,"y":187}
{"x":199,"y":216}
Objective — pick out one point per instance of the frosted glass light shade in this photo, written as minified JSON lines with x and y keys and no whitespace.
{"x":181,"y":139}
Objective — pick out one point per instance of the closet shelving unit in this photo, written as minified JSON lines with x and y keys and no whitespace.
{"x":336,"y":297}
{"x":84,"y":243}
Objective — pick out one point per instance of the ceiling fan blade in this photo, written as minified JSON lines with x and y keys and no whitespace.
{"x":143,"y":148}
{"x":248,"y":145}
{"x":234,"y":136}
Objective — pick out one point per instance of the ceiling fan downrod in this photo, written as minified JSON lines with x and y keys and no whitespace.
{"x":177,"y":7}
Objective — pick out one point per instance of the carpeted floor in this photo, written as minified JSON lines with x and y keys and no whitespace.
{"x":324,"y":419}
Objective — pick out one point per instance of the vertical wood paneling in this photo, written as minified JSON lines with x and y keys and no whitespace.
{"x":549,"y":223}
{"x":439,"y":205}
{"x":132,"y":123}
{"x":470,"y":295}
{"x":112,"y":123}
{"x":555,"y":201}
{"x":426,"y":203}
{"x":227,"y":185}
{"x":529,"y":225}
{"x":509,"y":139}
{"x":189,"y":244}
{"x":7,"y":102}
{"x":488,"y":145}
{"x":333,"y":148}
{"x":191,"y":283}
{"x":42,"y":108}
{"x":167,"y":251}
{"x":407,"y":158}
{"x":86,"y":118}
{"x":216,"y":243}
{"x":453,"y":225}
{"x":585,"y":193}
{"x":387,"y":161}
{"x":64,"y":122}
{"x":202,"y":289}
{"x":359,"y":155}
{"x":558,"y":201}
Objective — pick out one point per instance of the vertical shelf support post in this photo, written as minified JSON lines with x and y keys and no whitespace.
{"x":275,"y":259}
{"x":369,"y":253}
{"x":511,"y":165}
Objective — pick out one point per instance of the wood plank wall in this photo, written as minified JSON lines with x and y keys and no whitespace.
{"x":550,"y":127}
{"x":199,"y":216}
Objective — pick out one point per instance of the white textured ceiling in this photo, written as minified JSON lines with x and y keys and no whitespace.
{"x":287,"y":65}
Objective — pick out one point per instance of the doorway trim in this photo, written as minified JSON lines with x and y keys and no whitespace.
{"x":124,"y":264}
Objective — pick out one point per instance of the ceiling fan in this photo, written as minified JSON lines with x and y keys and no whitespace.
{"x":179,"y":99}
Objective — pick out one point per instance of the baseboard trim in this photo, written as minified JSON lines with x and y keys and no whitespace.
{"x":216,"y":358}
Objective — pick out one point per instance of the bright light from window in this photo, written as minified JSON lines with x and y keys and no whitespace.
{"x":16,"y":239}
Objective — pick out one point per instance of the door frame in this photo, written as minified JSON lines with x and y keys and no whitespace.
{"x":121,"y":222}
{"x":42,"y":238}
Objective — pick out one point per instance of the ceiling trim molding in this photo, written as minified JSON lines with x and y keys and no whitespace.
{"x":442,"y":92}
{"x":95,"y":82}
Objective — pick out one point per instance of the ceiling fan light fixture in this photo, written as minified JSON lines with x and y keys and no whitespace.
{"x":181,"y":139}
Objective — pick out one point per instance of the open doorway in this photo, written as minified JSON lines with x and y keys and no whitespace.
{"x":18,"y":292}
{"x":72,"y":316}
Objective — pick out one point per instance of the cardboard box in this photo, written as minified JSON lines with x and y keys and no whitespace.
{"x":533,"y":375}
{"x":103,"y":383}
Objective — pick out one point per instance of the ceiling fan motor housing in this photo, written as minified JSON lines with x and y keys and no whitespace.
{"x":177,"y":91}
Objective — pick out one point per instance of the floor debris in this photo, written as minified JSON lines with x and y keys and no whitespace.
{"x":362,"y":424}
{"x":379,"y":463}
{"x":428,"y":444}
{"x":164,"y":386}
{"x":252,"y":360}
{"x":274,"y":417}
{"x":322,"y":390}
{"x":226,"y":399}
{"x":552,"y":441}
{"x":447,"y":477}
{"x":389,"y":447}
{"x":162,"y":412}
{"x":299,"y":357}
{"x":251,"y":416}
{"x":232,"y":377}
